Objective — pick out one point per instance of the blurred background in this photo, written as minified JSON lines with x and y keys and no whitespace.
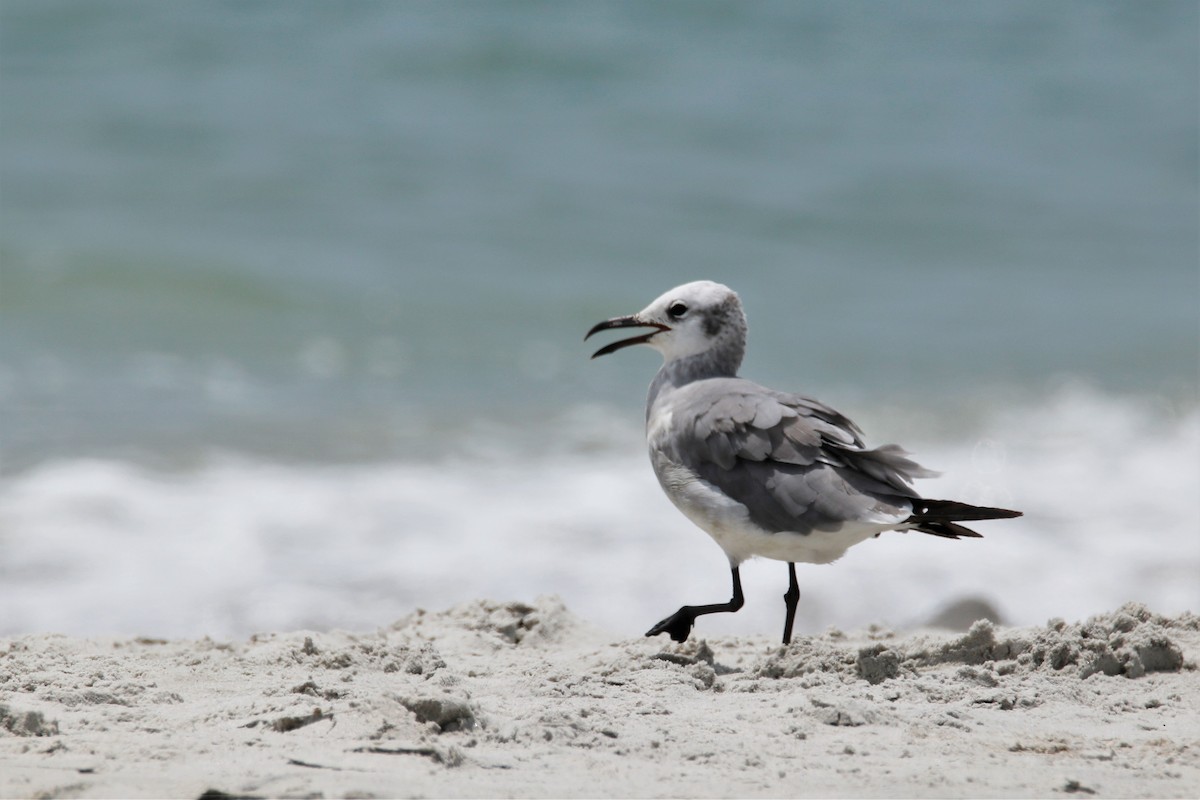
{"x":292,"y":298}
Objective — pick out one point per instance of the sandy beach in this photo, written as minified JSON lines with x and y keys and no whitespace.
{"x":492,"y":699}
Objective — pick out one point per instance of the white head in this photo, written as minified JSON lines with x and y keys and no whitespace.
{"x":691,"y":320}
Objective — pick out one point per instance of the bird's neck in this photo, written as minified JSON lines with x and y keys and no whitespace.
{"x":682,"y":371}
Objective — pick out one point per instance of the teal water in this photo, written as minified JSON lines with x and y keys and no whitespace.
{"x":256,"y":224}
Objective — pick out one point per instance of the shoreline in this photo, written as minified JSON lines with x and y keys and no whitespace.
{"x":510,"y":699}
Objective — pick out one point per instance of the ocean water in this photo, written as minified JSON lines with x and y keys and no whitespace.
{"x":292,"y":298}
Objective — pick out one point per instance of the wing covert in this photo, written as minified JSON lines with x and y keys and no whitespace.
{"x":794,"y":462}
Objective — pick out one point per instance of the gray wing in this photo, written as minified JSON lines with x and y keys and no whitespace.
{"x":794,"y":462}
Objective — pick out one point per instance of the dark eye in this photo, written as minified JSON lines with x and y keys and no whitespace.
{"x":676,"y":310}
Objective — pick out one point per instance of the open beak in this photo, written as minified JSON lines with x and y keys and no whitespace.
{"x":624,"y":322}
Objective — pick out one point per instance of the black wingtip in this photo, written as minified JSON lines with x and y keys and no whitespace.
{"x":948,"y":530}
{"x":954,"y":511}
{"x":940,"y":517}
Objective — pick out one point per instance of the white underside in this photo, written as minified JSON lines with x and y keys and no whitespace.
{"x":728,"y":523}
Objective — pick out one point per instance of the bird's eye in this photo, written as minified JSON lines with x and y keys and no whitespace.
{"x":676,"y":310}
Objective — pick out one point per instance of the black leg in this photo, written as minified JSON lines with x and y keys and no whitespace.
{"x":679,"y":624}
{"x":791,"y":598}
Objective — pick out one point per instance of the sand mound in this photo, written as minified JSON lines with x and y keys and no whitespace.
{"x":1131,"y":641}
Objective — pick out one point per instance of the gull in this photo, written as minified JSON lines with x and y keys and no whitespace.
{"x":763,"y":472}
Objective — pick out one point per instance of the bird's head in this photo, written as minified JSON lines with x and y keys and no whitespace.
{"x":690,"y":320}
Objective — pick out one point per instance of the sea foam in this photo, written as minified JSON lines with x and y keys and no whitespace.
{"x":1108,"y":486}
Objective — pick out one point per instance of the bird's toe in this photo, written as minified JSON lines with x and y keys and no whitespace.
{"x":678,"y":626}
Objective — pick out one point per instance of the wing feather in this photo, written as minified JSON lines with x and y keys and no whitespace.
{"x":794,"y":462}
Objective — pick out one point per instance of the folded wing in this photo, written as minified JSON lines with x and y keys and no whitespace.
{"x":795,"y":463}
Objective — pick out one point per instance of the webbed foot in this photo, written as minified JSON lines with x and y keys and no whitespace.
{"x":678,"y":626}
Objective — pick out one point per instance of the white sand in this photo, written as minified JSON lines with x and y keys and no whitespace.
{"x":493,"y":699}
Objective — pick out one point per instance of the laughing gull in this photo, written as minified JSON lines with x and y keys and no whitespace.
{"x":765,"y":473}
